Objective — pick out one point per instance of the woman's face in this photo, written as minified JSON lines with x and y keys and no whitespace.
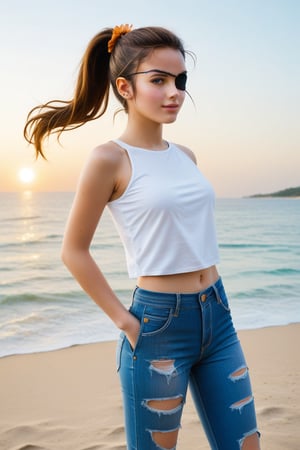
{"x":160,"y":92}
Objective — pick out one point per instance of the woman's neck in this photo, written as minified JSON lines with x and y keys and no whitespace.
{"x":144,"y":135}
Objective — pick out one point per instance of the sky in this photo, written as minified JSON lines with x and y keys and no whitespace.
{"x":243,"y":125}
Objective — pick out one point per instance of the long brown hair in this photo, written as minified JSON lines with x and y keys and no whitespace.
{"x":98,"y":70}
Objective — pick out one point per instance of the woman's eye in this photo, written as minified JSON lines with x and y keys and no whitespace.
{"x":157,"y":80}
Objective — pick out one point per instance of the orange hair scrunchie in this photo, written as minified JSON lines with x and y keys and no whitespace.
{"x":118,"y":31}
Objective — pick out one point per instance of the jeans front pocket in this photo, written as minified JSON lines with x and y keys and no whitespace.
{"x":155,"y":320}
{"x":224,"y":303}
{"x":223,"y":299}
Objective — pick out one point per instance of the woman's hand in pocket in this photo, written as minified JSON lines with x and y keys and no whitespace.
{"x":132,"y":330}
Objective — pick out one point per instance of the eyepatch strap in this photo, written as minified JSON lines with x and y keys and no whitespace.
{"x":180,"y":80}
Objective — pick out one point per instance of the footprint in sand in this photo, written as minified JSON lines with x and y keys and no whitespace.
{"x":31,"y":447}
{"x":272,"y":412}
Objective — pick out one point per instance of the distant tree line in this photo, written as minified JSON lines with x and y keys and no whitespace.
{"x":290,"y":192}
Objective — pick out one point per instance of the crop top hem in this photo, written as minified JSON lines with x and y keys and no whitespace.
{"x":135,"y":274}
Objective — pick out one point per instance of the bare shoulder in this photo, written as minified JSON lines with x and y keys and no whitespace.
{"x":100,"y":175}
{"x":108,"y":155}
{"x":105,"y":161}
{"x":188,"y":152}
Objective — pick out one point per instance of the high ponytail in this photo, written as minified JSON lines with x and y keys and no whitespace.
{"x":90,"y":97}
{"x":101,"y":65}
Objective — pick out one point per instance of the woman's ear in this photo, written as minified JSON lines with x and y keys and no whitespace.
{"x":124,"y":88}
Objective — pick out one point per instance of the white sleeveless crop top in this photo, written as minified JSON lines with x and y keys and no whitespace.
{"x":165,"y":217}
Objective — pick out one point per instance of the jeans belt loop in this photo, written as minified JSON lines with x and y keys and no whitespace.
{"x":178,"y":302}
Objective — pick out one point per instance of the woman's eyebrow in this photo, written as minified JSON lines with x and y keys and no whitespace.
{"x":163,"y":72}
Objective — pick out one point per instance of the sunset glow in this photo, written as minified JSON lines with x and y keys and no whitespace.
{"x":26,"y":175}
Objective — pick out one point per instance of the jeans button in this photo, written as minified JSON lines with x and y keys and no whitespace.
{"x":203,"y":298}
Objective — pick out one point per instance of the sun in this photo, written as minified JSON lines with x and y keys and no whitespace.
{"x":26,"y":175}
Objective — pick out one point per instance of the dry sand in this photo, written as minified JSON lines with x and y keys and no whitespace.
{"x":70,"y":399}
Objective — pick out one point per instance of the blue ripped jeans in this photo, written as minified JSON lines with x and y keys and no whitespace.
{"x":185,"y":340}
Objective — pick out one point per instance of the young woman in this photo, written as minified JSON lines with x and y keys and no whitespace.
{"x":178,"y":331}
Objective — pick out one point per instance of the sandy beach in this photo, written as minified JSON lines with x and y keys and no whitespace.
{"x":70,"y":399}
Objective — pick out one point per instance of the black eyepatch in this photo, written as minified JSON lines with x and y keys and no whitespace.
{"x":180,"y":80}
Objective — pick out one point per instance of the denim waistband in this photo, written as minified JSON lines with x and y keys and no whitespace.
{"x":171,"y":299}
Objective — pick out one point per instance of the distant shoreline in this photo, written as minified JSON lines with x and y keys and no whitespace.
{"x":285,"y":193}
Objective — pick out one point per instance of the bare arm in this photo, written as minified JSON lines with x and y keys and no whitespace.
{"x":96,"y":186}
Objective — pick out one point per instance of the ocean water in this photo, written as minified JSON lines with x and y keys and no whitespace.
{"x":42,"y":307}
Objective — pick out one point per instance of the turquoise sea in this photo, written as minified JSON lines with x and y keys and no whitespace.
{"x":42,"y":308}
